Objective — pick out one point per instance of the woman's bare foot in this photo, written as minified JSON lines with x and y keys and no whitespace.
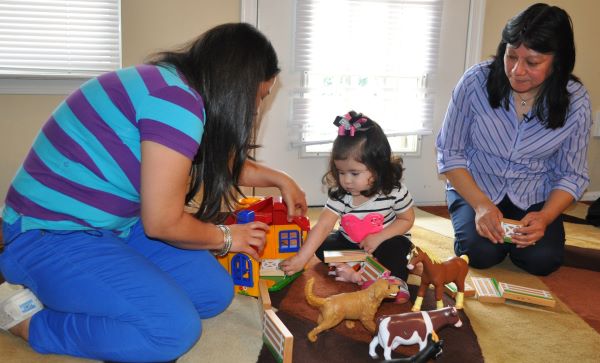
{"x":21,"y":329}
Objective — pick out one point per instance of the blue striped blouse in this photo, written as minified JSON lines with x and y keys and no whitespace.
{"x":505,"y":156}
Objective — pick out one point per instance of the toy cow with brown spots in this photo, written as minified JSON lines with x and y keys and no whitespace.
{"x":411,"y":328}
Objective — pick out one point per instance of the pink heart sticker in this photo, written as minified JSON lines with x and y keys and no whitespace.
{"x":357,"y":229}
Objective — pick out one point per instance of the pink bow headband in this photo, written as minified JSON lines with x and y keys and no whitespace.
{"x":349,"y":123}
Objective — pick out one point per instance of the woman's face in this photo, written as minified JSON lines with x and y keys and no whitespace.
{"x":526,"y":69}
{"x":264,"y":89}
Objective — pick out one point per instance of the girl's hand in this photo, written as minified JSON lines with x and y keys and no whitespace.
{"x":249,"y":238}
{"x":370,"y":243}
{"x":535,"y":224}
{"x":292,"y":265}
{"x":487,"y":222}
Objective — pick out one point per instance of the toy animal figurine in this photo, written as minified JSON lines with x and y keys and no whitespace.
{"x":358,"y":305}
{"x":411,"y":328}
{"x":432,"y":350}
{"x":439,"y":273}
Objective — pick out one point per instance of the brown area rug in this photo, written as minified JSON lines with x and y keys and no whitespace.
{"x":352,"y":345}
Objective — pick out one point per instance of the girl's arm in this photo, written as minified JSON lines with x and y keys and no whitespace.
{"x":164,"y":183}
{"x":259,"y":175}
{"x":315,"y":238}
{"x":403,"y":223}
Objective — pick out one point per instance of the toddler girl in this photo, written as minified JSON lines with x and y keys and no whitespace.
{"x":366,"y":194}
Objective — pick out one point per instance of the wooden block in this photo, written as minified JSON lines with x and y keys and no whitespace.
{"x":263,"y":297}
{"x":345,"y":256}
{"x":526,"y":294}
{"x":277,"y":337}
{"x":450,"y":289}
{"x":487,"y":289}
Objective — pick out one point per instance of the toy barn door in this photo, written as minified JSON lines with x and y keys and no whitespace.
{"x":241,"y":270}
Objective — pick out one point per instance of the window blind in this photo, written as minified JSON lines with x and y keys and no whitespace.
{"x":378,"y":57}
{"x":59,"y":39}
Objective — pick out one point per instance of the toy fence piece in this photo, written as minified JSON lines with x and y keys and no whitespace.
{"x":526,"y":294}
{"x":270,"y":267}
{"x":451,"y":289}
{"x":372,"y":270}
{"x":487,"y":289}
{"x":277,"y":337}
{"x":509,"y":225}
{"x":345,"y":256}
{"x":264,"y":298}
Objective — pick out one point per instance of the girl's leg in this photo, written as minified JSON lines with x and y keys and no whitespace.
{"x":481,"y":251}
{"x":335,"y":242}
{"x":547,"y":254}
{"x":392,"y":254}
{"x":102,"y":298}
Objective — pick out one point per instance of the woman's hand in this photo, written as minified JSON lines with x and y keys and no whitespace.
{"x":292,"y":265}
{"x":248,"y":238}
{"x":294,"y":197}
{"x":534,"y":227}
{"x":487,"y":222}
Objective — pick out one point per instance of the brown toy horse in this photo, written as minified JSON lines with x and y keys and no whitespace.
{"x":439,"y":273}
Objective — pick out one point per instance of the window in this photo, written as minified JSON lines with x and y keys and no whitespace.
{"x":58,"y":39}
{"x":388,"y":73}
{"x":289,"y":241}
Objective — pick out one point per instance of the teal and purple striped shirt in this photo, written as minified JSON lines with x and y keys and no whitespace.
{"x":505,"y":156}
{"x":83,"y":170}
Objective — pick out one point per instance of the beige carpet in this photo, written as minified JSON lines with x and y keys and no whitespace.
{"x":506,"y":333}
{"x":519,"y":333}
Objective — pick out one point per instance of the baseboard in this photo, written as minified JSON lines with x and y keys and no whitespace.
{"x":590,"y":196}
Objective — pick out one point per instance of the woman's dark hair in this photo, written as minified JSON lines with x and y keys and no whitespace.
{"x":545,"y":29}
{"x":370,"y":146}
{"x":226,"y":66}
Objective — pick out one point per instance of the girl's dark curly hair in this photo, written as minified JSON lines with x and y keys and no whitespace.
{"x":369,"y":146}
{"x":226,"y":66}
{"x":545,"y":29}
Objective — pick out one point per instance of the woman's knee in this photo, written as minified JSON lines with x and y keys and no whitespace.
{"x":539,"y":263}
{"x":481,"y":252}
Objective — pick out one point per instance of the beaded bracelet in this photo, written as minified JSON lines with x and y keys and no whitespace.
{"x":227,"y":239}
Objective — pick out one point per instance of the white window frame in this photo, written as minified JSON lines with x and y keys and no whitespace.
{"x":249,"y":14}
{"x":49,"y":84}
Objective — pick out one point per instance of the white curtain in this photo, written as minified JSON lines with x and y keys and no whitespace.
{"x":377,"y":57}
{"x":59,"y":39}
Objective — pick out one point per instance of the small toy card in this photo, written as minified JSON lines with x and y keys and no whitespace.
{"x":509,"y":226}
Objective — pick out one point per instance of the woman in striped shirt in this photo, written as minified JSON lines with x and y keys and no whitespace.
{"x":514,"y":144}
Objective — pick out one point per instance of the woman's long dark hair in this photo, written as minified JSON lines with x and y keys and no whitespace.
{"x":226,"y":66}
{"x":545,"y":29}
{"x":370,"y":146}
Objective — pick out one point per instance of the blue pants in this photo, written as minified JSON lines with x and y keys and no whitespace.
{"x":541,"y":259}
{"x":128,"y":299}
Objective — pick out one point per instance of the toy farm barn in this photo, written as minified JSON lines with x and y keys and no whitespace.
{"x":282,"y":241}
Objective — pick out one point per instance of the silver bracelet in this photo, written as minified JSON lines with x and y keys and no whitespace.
{"x":227,"y":239}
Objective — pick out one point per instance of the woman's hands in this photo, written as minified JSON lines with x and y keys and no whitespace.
{"x":535,"y":224}
{"x":249,"y":238}
{"x":487,"y":222}
{"x":294,"y":197}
